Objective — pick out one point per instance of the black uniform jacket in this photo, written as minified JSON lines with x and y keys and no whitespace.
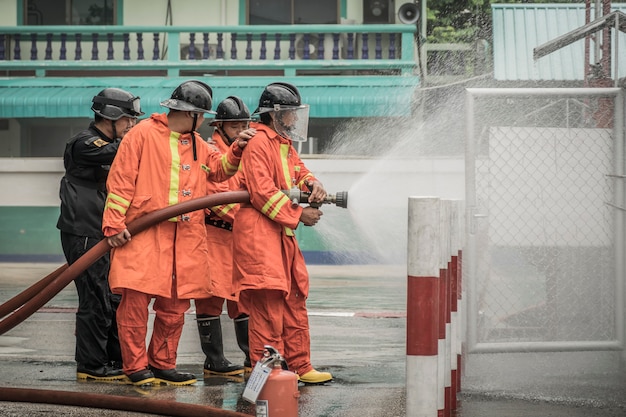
{"x":87,"y":159}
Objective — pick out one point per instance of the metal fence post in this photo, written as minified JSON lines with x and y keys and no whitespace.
{"x":423,"y":265}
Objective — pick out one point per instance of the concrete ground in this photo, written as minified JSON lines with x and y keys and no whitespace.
{"x":357,"y":317}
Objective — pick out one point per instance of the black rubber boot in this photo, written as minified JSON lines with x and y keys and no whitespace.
{"x":103,"y":373}
{"x":241,"y":333}
{"x":142,"y":377}
{"x":172,"y":377}
{"x":210,"y":329}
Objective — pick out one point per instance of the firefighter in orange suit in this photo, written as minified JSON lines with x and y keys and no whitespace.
{"x":161,"y":163}
{"x":231,"y":123}
{"x":269,"y":272}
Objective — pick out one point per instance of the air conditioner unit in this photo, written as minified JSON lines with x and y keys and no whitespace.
{"x":197,"y":52}
{"x":379,"y":11}
{"x":185,"y":52}
{"x":328,"y":44}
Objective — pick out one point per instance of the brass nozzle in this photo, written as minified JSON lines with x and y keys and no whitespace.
{"x":300,"y":197}
{"x":340,"y":199}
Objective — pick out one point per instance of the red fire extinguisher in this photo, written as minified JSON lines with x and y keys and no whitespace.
{"x":279,"y":395}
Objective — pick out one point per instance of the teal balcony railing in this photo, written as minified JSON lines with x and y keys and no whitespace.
{"x":290,"y":50}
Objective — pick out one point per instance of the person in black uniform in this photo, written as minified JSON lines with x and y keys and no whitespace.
{"x":87,"y":159}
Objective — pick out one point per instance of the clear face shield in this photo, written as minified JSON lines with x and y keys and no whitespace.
{"x":292,"y":123}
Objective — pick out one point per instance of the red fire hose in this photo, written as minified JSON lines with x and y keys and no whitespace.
{"x":23,"y":306}
{"x":33,"y":298}
{"x":114,"y":402}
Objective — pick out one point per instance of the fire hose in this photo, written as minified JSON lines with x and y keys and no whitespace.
{"x":26,"y":303}
{"x":114,"y":402}
{"x":23,"y":305}
{"x":32,"y":299}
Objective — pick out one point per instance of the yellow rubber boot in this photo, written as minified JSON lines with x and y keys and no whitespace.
{"x":315,"y":377}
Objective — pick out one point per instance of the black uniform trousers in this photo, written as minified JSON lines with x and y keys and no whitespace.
{"x":97,"y":343}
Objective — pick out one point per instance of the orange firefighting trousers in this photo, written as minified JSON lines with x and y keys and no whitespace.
{"x":280,"y":322}
{"x":213,"y":306}
{"x":132,"y":327}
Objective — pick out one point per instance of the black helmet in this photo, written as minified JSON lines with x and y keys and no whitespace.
{"x":231,"y":109}
{"x":191,"y":96}
{"x":279,"y":96}
{"x":115,"y":103}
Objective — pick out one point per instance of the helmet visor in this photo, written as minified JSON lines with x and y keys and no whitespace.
{"x":292,"y":122}
{"x":136,"y":106}
{"x":114,"y":109}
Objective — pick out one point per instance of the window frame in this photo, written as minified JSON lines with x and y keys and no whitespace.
{"x":22,"y":13}
{"x":244,"y":16}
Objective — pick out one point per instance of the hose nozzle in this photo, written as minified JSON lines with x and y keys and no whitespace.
{"x":298,"y":196}
{"x":340,"y":199}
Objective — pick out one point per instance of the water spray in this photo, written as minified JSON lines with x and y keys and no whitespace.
{"x":298,"y":196}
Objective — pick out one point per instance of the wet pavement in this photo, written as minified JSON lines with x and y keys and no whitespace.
{"x":357,"y":317}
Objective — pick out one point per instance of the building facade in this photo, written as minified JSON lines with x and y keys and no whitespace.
{"x":352,"y":60}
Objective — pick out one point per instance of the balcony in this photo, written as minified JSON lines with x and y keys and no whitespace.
{"x":53,"y":71}
{"x":224,"y":50}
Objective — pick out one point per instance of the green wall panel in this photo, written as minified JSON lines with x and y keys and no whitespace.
{"x":29,"y":231}
{"x":30,"y":234}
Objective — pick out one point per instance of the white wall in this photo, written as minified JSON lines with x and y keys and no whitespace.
{"x":9,"y":12}
{"x":35,"y":181}
{"x":30,"y":181}
{"x":208,"y":12}
{"x":184,"y":13}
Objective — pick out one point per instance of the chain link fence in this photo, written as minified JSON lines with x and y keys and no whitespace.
{"x":544,"y":184}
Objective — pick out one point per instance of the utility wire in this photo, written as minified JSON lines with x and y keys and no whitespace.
{"x":168,"y":22}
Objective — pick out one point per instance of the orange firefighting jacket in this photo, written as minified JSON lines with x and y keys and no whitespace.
{"x":265,"y":226}
{"x":225,"y":212}
{"x":154,"y":168}
{"x":220,"y":240}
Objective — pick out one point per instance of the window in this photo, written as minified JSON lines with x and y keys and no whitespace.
{"x":69,"y":12}
{"x":287,"y":12}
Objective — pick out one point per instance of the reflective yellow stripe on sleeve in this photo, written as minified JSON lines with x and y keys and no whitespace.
{"x":302,"y":181}
{"x":274,"y":204}
{"x":229,"y":168}
{"x":117,"y":203}
{"x":223,"y":209}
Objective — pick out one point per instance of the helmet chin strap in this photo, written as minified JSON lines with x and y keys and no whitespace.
{"x":113,"y":130}
{"x":193,"y":136}
{"x":222,"y":132}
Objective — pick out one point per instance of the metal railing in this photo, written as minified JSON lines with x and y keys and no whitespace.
{"x":293,"y":49}
{"x":545,"y":219}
